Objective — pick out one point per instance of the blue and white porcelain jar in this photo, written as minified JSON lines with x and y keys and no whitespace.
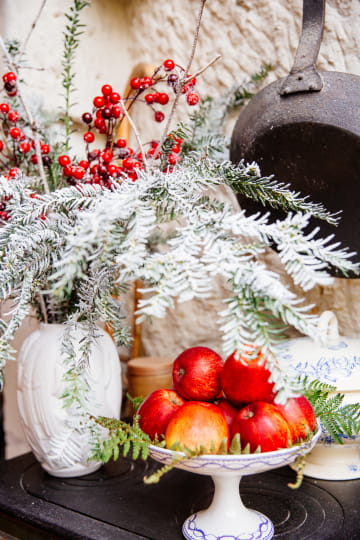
{"x":335,"y":360}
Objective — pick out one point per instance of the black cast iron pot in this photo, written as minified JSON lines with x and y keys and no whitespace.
{"x":305,"y":129}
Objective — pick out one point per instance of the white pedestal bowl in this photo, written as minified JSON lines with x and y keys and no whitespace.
{"x":227,"y":518}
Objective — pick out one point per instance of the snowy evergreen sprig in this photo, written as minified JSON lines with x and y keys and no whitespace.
{"x":246,"y":179}
{"x":208,"y":240}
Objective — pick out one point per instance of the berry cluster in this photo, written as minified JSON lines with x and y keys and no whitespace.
{"x":17,"y":146}
{"x":175,"y":77}
{"x":118,"y":160}
{"x":115,"y":159}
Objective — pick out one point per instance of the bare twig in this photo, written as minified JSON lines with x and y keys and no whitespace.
{"x":34,"y":23}
{"x":43,"y":308}
{"x":211,"y":63}
{"x":136,"y":132}
{"x":32,"y":123}
{"x":190,"y":61}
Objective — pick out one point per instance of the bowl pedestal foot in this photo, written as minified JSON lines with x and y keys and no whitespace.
{"x":227,"y":518}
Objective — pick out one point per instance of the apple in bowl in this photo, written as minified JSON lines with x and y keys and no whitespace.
{"x":261,"y":425}
{"x":245,"y":379}
{"x":156,"y":411}
{"x":300,"y":415}
{"x":198,"y":425}
{"x":196,"y":374}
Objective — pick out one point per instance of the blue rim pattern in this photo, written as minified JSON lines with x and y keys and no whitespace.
{"x":265,"y":531}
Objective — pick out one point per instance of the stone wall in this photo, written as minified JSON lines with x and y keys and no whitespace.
{"x":121,"y":33}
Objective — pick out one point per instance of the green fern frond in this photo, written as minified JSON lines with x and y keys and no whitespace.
{"x":124,"y":437}
{"x":339,"y":420}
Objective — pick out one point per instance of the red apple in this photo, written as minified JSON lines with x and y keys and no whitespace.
{"x":229,"y":411}
{"x":245,"y":380}
{"x":300,"y":415}
{"x":157,"y":409}
{"x":196,"y":424}
{"x":262,"y":424}
{"x":196,"y":374}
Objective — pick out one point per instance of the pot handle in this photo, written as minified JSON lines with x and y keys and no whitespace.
{"x":328,"y":329}
{"x":303,"y":76}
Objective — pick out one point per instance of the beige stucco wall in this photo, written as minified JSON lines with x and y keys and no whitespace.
{"x":121,"y":33}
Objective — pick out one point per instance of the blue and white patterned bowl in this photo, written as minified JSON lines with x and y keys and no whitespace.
{"x":243,"y":464}
{"x":334,"y":360}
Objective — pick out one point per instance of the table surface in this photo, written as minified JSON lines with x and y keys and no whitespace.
{"x":114,"y":503}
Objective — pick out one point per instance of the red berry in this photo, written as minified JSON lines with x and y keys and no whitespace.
{"x":98,"y":102}
{"x":192,"y":98}
{"x":4,"y":215}
{"x":135,"y":83}
{"x":33,"y":196}
{"x":172,"y":79}
{"x":87,"y":118}
{"x":1,"y":145}
{"x":146,"y":82}
{"x":106,"y":156}
{"x":100,"y":123}
{"x":44,"y":148}
{"x":25,"y":147}
{"x":94,"y":154}
{"x":159,"y":116}
{"x":14,"y":172}
{"x":162,"y":98}
{"x":34,"y":159}
{"x":150,"y":98}
{"x":64,"y":160}
{"x":13,"y":116}
{"x":115,"y":97}
{"x":43,"y":217}
{"x":106,"y":90}
{"x":192,"y":81}
{"x":185,"y":88}
{"x":78,"y":173}
{"x":116,"y":111}
{"x":172,"y":159}
{"x":128,"y":163}
{"x":113,"y":169}
{"x":84,"y":164}
{"x":15,"y":133}
{"x":169,"y":64}
{"x":68,"y":170}
{"x":89,"y":137}
{"x":4,"y":107}
{"x":121,"y":143}
{"x":9,"y":77}
{"x":106,"y":112}
{"x":176,"y":149}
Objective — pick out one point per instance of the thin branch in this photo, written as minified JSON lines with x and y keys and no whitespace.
{"x":24,"y":45}
{"x":211,"y":63}
{"x":190,"y":61}
{"x":43,"y":307}
{"x":196,"y":36}
{"x":136,"y":132}
{"x":32,"y":123}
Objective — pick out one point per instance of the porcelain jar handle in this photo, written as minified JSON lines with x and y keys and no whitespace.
{"x":328,"y":328}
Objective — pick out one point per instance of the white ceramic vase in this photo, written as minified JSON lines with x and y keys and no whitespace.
{"x":52,"y":430}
